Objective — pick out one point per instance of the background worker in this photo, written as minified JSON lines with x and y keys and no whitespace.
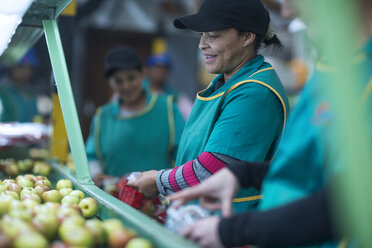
{"x":295,"y":209}
{"x":158,"y":67}
{"x":18,"y":96}
{"x":138,"y":131}
{"x":241,"y":115}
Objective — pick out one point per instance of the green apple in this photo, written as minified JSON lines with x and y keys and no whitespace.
{"x":6,"y":182}
{"x":11,"y":169}
{"x":23,"y":214}
{"x":46,"y":224}
{"x":25,"y":165}
{"x":139,"y":243}
{"x":41,"y":189}
{"x":95,"y":227}
{"x":51,"y":196}
{"x":65,"y":191}
{"x":89,"y":207}
{"x":27,"y":190}
{"x":30,"y":204}
{"x":70,"y":200}
{"x":110,"y":225}
{"x":76,"y":236}
{"x":120,"y":237}
{"x":15,"y":187}
{"x":65,"y":212}
{"x":5,"y":202}
{"x":30,"y":177}
{"x":53,"y":205}
{"x":64,"y":183}
{"x":31,"y":239}
{"x":23,"y":182}
{"x":44,"y":183}
{"x":41,"y":168}
{"x":3,"y":188}
{"x":12,"y":227}
{"x":43,"y":209}
{"x":31,"y":196}
{"x":74,"y":220}
{"x":12,"y":194}
{"x":78,"y":193}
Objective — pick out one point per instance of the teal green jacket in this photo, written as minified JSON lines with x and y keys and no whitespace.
{"x":146,"y":141}
{"x":302,"y":164}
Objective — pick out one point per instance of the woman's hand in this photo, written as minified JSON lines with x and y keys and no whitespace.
{"x":98,"y":179}
{"x":146,"y":183}
{"x":204,"y":232}
{"x":215,"y":193}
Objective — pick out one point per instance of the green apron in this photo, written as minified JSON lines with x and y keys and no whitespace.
{"x":139,"y":143}
{"x":207,"y":109}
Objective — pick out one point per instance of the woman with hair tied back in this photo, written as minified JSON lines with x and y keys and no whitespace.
{"x":241,"y":115}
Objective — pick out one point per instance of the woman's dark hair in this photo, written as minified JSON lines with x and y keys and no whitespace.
{"x":261,"y":41}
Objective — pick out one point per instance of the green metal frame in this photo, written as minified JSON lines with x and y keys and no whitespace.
{"x":31,"y":28}
{"x":66,"y":98}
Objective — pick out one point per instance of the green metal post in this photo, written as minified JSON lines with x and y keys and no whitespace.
{"x":67,"y":102}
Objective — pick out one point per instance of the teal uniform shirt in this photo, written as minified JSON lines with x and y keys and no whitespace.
{"x":145,"y":141}
{"x":7,"y":110}
{"x":243,"y":119}
{"x":21,"y":103}
{"x":300,"y":167}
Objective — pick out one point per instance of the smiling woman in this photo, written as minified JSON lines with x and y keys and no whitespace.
{"x":241,"y":115}
{"x":139,"y":130}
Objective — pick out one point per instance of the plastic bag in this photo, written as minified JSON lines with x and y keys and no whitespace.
{"x":179,"y":218}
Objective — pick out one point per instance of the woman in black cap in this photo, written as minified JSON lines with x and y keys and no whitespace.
{"x":242,"y":113}
{"x":139,"y":131}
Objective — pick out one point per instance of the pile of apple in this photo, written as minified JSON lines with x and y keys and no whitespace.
{"x":12,"y":168}
{"x":33,"y":214}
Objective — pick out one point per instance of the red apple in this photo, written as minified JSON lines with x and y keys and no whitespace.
{"x":89,"y":207}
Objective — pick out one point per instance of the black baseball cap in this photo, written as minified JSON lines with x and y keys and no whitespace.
{"x":123,"y":57}
{"x":213,"y":15}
